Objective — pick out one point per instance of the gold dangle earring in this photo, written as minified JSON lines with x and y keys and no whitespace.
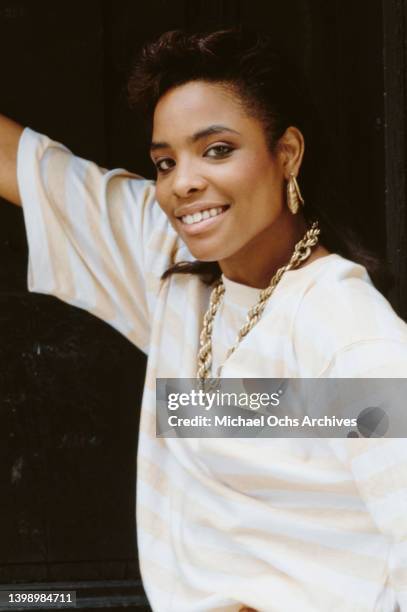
{"x":294,"y":197}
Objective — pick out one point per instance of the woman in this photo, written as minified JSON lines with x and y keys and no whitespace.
{"x":225,"y":524}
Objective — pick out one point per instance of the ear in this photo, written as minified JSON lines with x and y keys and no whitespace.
{"x":291,"y":148}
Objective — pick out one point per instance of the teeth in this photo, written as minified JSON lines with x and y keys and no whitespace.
{"x":197,"y":217}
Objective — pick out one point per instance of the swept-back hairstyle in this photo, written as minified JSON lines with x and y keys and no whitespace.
{"x":272,"y":89}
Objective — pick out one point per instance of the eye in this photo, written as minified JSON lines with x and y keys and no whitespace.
{"x":163,"y":165}
{"x":218,"y":151}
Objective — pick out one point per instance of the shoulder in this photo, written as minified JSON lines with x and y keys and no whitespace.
{"x":341,"y":313}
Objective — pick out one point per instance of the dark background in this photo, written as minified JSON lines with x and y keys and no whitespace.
{"x":70,"y":386}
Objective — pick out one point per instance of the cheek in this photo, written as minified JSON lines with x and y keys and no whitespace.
{"x":161,"y":195}
{"x":237,"y":180}
{"x":262,"y":168}
{"x":261,"y":184}
{"x":257,"y":171}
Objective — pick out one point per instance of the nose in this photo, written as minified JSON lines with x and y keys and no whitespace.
{"x":187,"y":180}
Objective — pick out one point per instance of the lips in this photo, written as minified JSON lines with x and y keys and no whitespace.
{"x":197,"y":207}
{"x":200,"y":216}
{"x":204,"y":224}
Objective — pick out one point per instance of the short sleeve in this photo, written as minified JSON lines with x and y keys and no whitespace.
{"x":345,"y":328}
{"x":379,"y":465}
{"x":97,"y":239}
{"x":374,"y":358}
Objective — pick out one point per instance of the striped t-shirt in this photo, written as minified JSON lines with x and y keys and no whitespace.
{"x":275,"y":524}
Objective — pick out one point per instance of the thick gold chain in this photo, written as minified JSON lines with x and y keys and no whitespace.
{"x":302,"y":251}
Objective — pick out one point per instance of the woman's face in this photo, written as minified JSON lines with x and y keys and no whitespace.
{"x":217,"y":181}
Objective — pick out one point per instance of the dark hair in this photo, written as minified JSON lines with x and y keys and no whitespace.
{"x":272,"y":89}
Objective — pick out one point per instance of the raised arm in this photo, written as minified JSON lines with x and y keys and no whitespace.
{"x":10,"y":133}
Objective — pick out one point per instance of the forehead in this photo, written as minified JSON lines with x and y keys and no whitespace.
{"x":196,"y":104}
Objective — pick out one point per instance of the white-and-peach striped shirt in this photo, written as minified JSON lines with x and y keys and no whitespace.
{"x":276,"y":524}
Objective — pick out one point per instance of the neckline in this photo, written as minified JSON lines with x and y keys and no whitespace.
{"x":243,"y":295}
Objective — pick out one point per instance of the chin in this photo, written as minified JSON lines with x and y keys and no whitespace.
{"x":207,"y":253}
{"x":203,"y":256}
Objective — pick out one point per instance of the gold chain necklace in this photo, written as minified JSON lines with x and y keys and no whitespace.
{"x":302,"y":251}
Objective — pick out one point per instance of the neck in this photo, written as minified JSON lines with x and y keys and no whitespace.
{"x":259,"y":260}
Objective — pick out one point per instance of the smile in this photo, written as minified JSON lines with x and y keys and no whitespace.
{"x":200,"y":216}
{"x":202,"y":221}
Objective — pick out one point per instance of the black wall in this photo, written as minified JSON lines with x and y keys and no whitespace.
{"x":70,"y":386}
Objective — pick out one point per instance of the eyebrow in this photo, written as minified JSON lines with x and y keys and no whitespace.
{"x":212,"y":129}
